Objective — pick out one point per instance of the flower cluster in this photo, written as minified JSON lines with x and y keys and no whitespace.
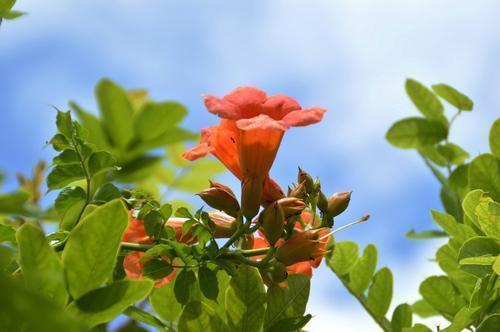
{"x":280,"y":234}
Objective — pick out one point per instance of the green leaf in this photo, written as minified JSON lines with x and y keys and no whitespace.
{"x":107,"y":192}
{"x":116,"y":111}
{"x":6,"y":6}
{"x":496,"y":265}
{"x":7,"y":234}
{"x":459,"y":180}
{"x":90,"y":252}
{"x":424,"y":309}
{"x":460,"y":232}
{"x":291,"y":324}
{"x":166,"y":211}
{"x":451,"y":202}
{"x":246,"y":301}
{"x":380,"y":293}
{"x":417,"y":328}
{"x":144,"y":317}
{"x":67,"y":156}
{"x":104,"y":304}
{"x":69,"y":205}
{"x":462,"y":320}
{"x":440,"y":293}
{"x":153,"y":222}
{"x":157,"y":269}
{"x":423,"y":98}
{"x":489,"y":324}
{"x":401,"y":317}
{"x":287,"y":302}
{"x":480,"y":246}
{"x":484,"y":173}
{"x":453,"y":96}
{"x":100,"y":162}
{"x":362,"y":272}
{"x":13,"y":14}
{"x":495,"y":138}
{"x":154,"y":119}
{"x":41,"y":266}
{"x":415,"y":133}
{"x":97,"y":135}
{"x":452,"y":153}
{"x":62,"y":175}
{"x":64,"y":123}
{"x":197,"y":316}
{"x":185,"y":287}
{"x":164,"y":303}
{"x":345,"y":255}
{"x":487,"y":260}
{"x":195,"y":177}
{"x":424,"y":235}
{"x":208,"y":283}
{"x":431,"y":152}
{"x":488,"y":217}
{"x":13,"y":203}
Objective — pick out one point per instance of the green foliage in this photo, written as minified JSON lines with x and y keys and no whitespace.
{"x":6,"y":11}
{"x":90,"y":252}
{"x":246,"y":301}
{"x":414,"y":133}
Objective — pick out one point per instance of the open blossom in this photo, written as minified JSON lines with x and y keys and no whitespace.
{"x":248,"y":137}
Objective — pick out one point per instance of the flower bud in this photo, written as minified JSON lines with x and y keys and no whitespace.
{"x":220,"y":197}
{"x":298,"y":191}
{"x":225,"y":225}
{"x":307,"y":179}
{"x":272,"y":219}
{"x":302,"y":247}
{"x":278,"y":272}
{"x":251,"y":196}
{"x":338,"y":203}
{"x":291,"y":206}
{"x":247,"y":241}
{"x":322,"y":203}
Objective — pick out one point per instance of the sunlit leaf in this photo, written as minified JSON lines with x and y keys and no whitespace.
{"x":380,"y":292}
{"x":414,"y":133}
{"x":440,"y":293}
{"x":99,"y":162}
{"x":164,"y":302}
{"x":197,"y":316}
{"x":345,"y":254}
{"x":453,"y":96}
{"x":401,"y":317}
{"x":363,"y":270}
{"x":423,"y":98}
{"x":495,"y":138}
{"x":62,"y":175}
{"x":484,"y":173}
{"x":154,"y":119}
{"x":479,"y":246}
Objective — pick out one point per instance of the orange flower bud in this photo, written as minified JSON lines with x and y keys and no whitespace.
{"x":302,"y":247}
{"x":220,"y":197}
{"x":272,"y":219}
{"x":291,"y":206}
{"x":225,"y":225}
{"x":338,"y":203}
{"x":251,"y":196}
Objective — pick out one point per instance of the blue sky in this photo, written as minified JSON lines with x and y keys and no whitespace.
{"x":351,"y":57}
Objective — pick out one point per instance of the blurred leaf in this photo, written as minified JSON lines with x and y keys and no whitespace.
{"x":64,"y":123}
{"x":138,"y":169}
{"x":157,"y":269}
{"x":414,"y":133}
{"x":171,"y":136}
{"x":495,"y":138}
{"x":13,"y":202}
{"x":7,"y":234}
{"x":13,"y":14}
{"x":287,"y":302}
{"x":116,"y":112}
{"x":97,"y":135}
{"x":440,"y":293}
{"x":6,"y":6}
{"x":100,"y":162}
{"x":423,"y":98}
{"x":423,"y":309}
{"x":458,"y":180}
{"x":452,"y":153}
{"x":246,"y":300}
{"x":197,"y":316}
{"x":90,"y":252}
{"x":143,"y":317}
{"x":174,"y":152}
{"x":41,"y":266}
{"x":185,"y":287}
{"x":484,"y":173}
{"x":362,"y":271}
{"x":431,"y":152}
{"x":164,"y":302}
{"x":60,"y":142}
{"x":401,"y":317}
{"x":417,"y":328}
{"x":490,"y":323}
{"x":153,"y":223}
{"x":62,"y":175}
{"x":208,"y":283}
{"x":291,"y":324}
{"x":496,"y":265}
{"x":488,"y":217}
{"x":480,"y":246}
{"x":425,"y":235}
{"x":453,"y":96}
{"x":380,"y":293}
{"x":104,"y":304}
{"x":154,"y":119}
{"x":69,"y":205}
